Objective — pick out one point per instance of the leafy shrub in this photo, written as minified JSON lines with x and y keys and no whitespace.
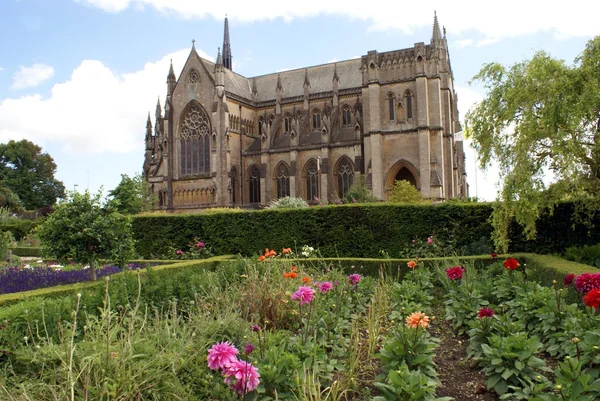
{"x":589,"y":255}
{"x":5,"y":240}
{"x":404,"y":192}
{"x":359,"y":193}
{"x":288,"y":202}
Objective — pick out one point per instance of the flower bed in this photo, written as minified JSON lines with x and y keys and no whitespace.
{"x":17,"y":278}
{"x":286,"y":328}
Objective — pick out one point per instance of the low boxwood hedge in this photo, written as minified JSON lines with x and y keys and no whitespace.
{"x":26,"y":251}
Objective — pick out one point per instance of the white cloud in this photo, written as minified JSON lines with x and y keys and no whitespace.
{"x":30,"y":77}
{"x":460,"y":44}
{"x":471,"y":15}
{"x":1,"y":69}
{"x":96,"y":110}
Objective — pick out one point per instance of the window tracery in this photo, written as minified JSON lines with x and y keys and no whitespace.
{"x":195,"y":142}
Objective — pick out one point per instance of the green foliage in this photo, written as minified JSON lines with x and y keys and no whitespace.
{"x":19,"y":228}
{"x":26,"y":251}
{"x":510,"y":360}
{"x":348,"y":230}
{"x":539,"y":115}
{"x":9,"y":199}
{"x":359,"y":193}
{"x":29,"y":173}
{"x":5,"y":240}
{"x":288,"y":202}
{"x":84,"y":230}
{"x":573,"y":383}
{"x":404,"y":192}
{"x":589,"y":255}
{"x":132,"y":195}
{"x":408,"y":385}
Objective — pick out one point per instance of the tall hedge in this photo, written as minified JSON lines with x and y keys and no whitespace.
{"x":350,"y":230}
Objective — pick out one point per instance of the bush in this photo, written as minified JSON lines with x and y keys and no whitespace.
{"x":19,"y":228}
{"x":288,"y":202}
{"x":27,"y":251}
{"x":589,"y":255}
{"x":405,"y":192}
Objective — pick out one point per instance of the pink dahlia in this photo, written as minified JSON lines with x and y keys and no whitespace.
{"x":568,"y":280}
{"x":455,"y":273}
{"x":325,"y":286}
{"x":354,"y":279}
{"x":304,"y":294}
{"x":242,"y":377}
{"x":200,"y":244}
{"x":179,"y":252}
{"x":221,"y":355}
{"x":485,"y":312}
{"x":587,"y":281}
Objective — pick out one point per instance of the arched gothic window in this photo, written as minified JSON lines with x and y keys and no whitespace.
{"x":283,"y":180}
{"x":254,"y":185}
{"x":195,"y":141}
{"x":345,"y":175}
{"x":346,"y":116}
{"x":408,"y":96}
{"x":316,"y":119}
{"x":312,"y":181}
{"x":260,"y":127}
{"x":288,"y":123}
{"x":391,"y":105}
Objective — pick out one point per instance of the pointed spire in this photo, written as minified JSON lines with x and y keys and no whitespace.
{"x":171,"y":76}
{"x":279,"y":87}
{"x":227,"y":59}
{"x":336,"y":78}
{"x":437,"y":35}
{"x":158,"y":110}
{"x":254,"y":88}
{"x":219,"y":57}
{"x":148,"y":126}
{"x":306,"y":81}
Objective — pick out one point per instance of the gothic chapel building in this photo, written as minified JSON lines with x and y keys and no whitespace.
{"x":228,"y":140}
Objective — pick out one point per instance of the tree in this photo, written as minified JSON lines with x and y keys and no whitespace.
{"x":405,"y":192}
{"x":132,"y":195}
{"x":85,"y":230}
{"x":9,"y":199}
{"x":29,"y":173}
{"x":540,"y":116}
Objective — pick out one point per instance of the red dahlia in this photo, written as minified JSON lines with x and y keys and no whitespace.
{"x":485,"y":312}
{"x":592,"y":298}
{"x":455,"y":273}
{"x":511,"y":264}
{"x":568,"y":280}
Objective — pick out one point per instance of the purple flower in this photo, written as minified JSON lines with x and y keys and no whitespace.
{"x":256,"y":328}
{"x":325,"y":286}
{"x":354,"y":279}
{"x":248,"y":348}
{"x":304,"y":294}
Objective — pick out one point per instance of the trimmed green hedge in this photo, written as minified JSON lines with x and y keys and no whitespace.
{"x":350,"y":230}
{"x":19,"y":227}
{"x":26,"y":251}
{"x":546,"y":268}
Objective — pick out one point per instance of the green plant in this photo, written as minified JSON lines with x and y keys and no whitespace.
{"x":6,"y":239}
{"x":573,"y":383}
{"x":404,"y":192}
{"x":586,"y":254}
{"x":403,"y":384}
{"x":83,"y":229}
{"x":359,"y":193}
{"x":511,"y":360}
{"x":288,"y":202}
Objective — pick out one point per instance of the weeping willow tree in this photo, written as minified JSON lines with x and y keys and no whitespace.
{"x":540,"y":117}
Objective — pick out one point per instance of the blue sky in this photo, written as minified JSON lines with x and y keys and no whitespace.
{"x":78,"y":77}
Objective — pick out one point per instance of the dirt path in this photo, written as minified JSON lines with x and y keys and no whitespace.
{"x":460,"y":377}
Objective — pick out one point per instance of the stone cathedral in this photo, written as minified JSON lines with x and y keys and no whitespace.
{"x":229,"y":140}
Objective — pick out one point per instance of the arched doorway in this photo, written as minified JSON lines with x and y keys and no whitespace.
{"x":402,"y":170}
{"x":406,"y":175}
